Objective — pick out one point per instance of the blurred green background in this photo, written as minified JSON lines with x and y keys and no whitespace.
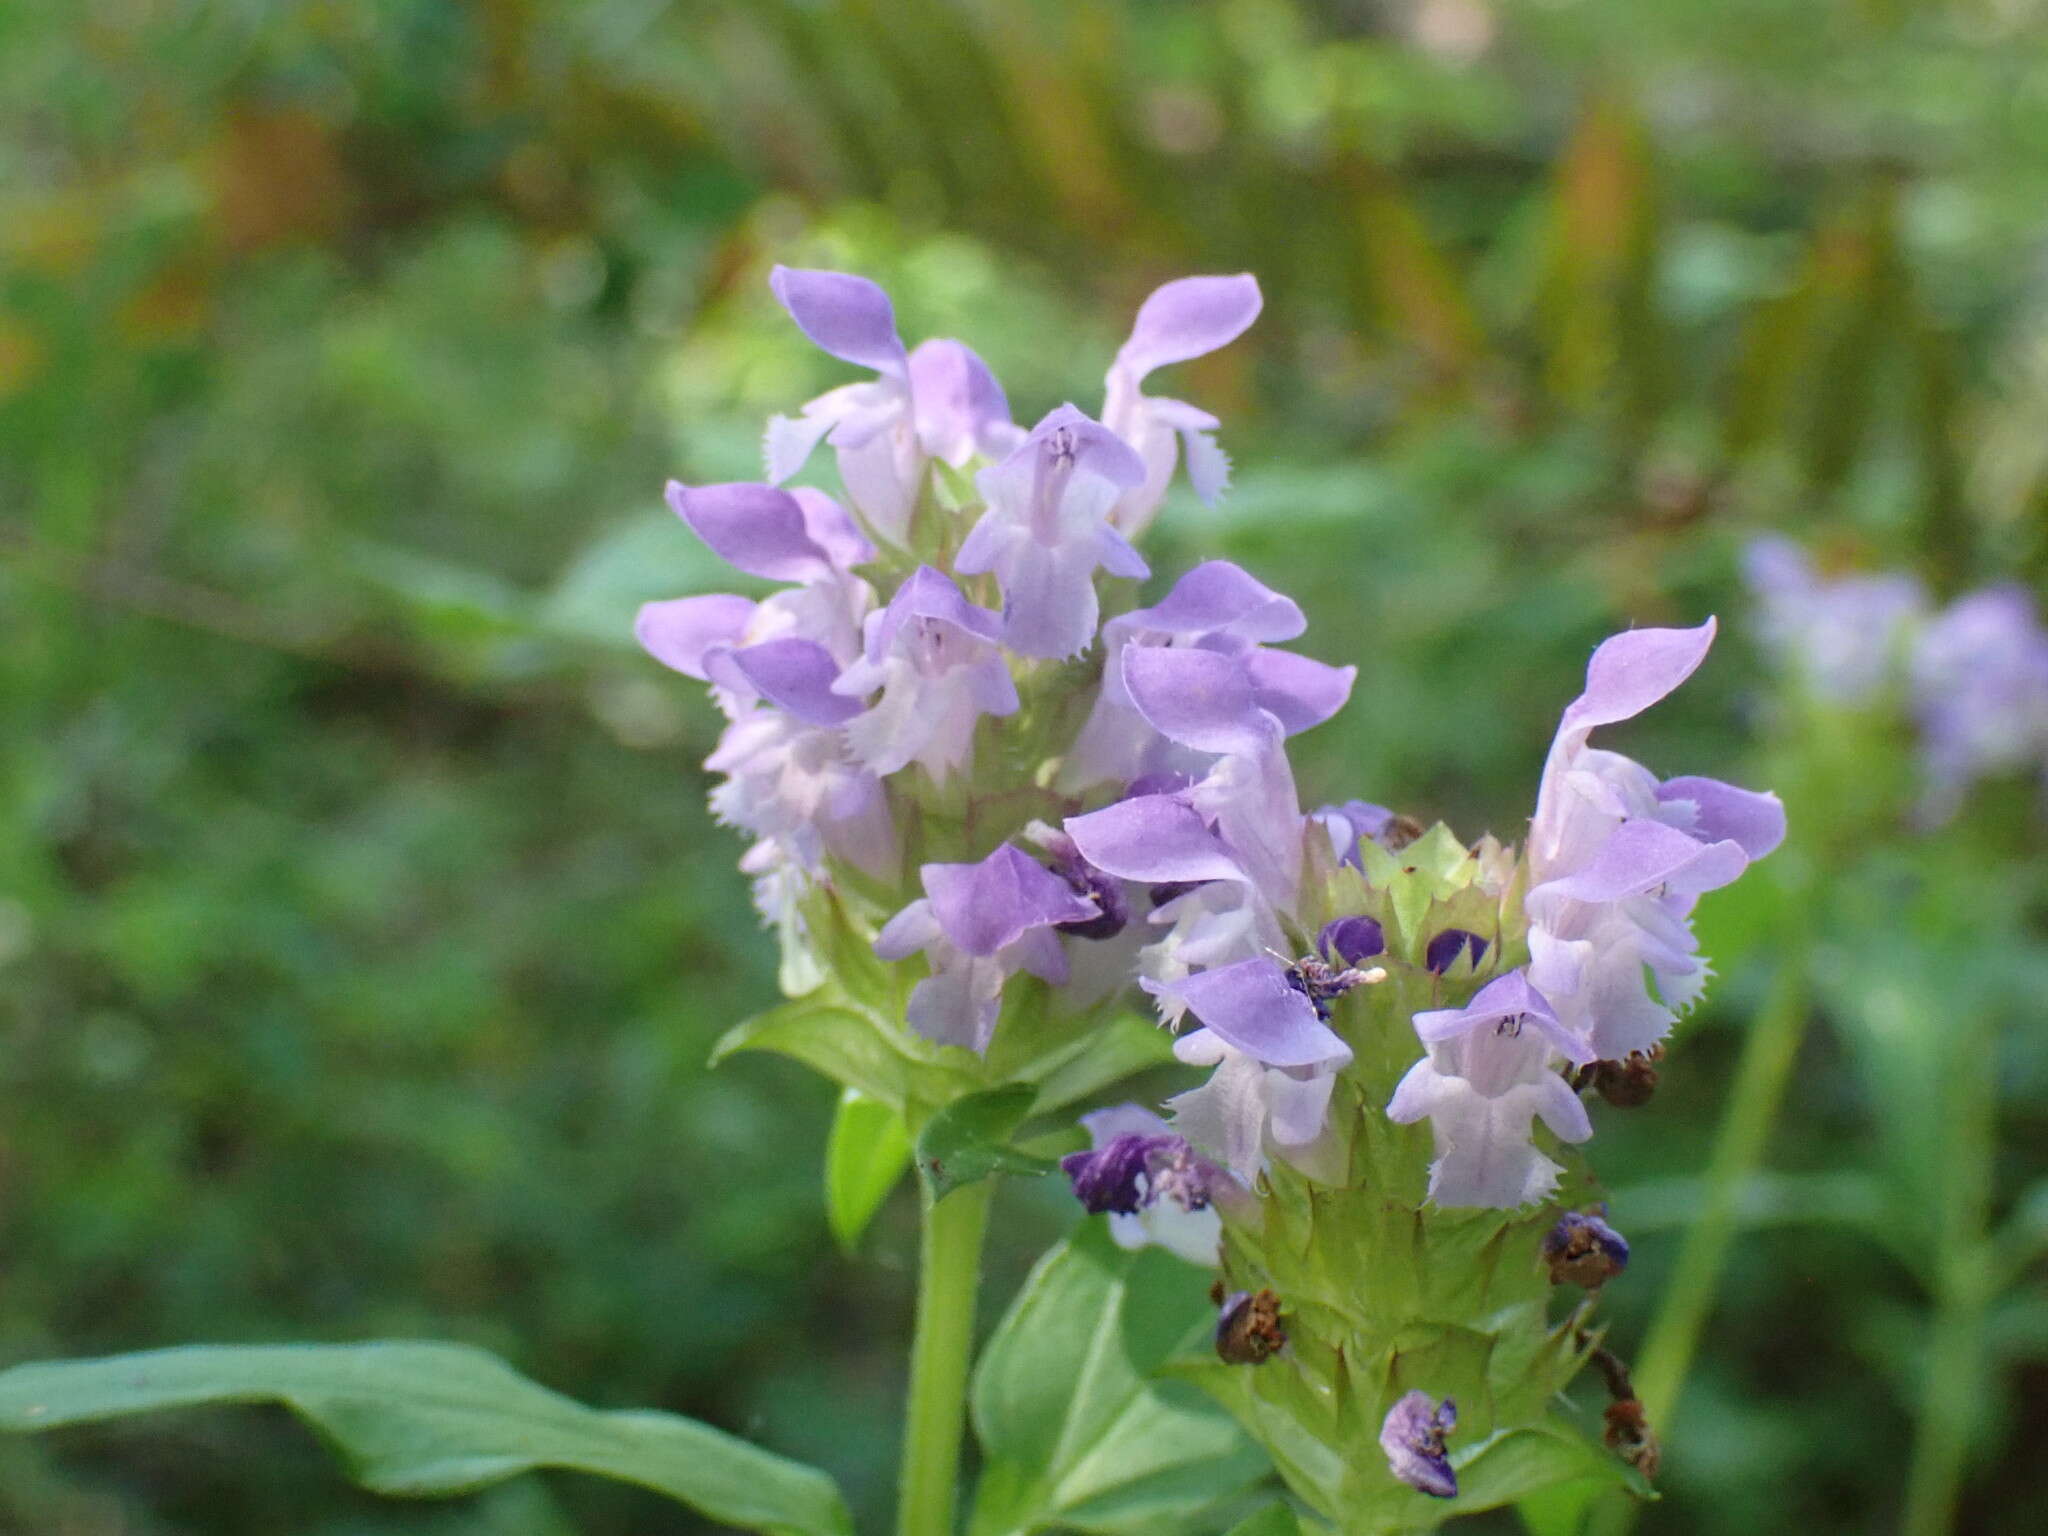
{"x":362,"y":931}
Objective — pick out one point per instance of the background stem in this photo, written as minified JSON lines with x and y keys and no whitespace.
{"x":948,"y":1276}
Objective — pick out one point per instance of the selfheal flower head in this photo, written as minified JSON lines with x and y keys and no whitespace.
{"x":1412,"y":1435}
{"x":1980,"y":693}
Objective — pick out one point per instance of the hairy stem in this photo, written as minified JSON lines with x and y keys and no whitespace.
{"x":949,"y":1273}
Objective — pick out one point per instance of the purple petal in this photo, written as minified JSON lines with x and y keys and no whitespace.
{"x":1506,"y":1003}
{"x":1253,"y":1007}
{"x":844,"y":315}
{"x":1753,"y":818}
{"x":1299,"y":690}
{"x":1633,"y":670}
{"x":1641,"y":856}
{"x":1152,"y":838}
{"x":1201,"y":699}
{"x":833,"y":529}
{"x":956,"y":400}
{"x":679,"y":631}
{"x":986,"y":906}
{"x":1412,"y":1436}
{"x":1188,"y":318}
{"x":1216,"y":597}
{"x":755,"y":528}
{"x":797,"y":675}
{"x":1092,"y":446}
{"x":930,"y":594}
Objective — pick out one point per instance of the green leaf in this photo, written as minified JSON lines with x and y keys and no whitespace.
{"x":1273,"y":1520}
{"x":428,"y":1420}
{"x":867,"y":1153}
{"x":1077,"y":1433}
{"x":854,"y":1048}
{"x":970,"y":1139}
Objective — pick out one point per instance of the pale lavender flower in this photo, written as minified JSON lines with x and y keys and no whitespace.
{"x":1488,"y":1075}
{"x":939,"y":402}
{"x":1980,"y":694}
{"x":1181,"y":320}
{"x":977,"y":925}
{"x":938,"y":663}
{"x":1156,"y":1188}
{"x":1047,"y":530}
{"x":1412,"y":1435}
{"x":1843,"y":636}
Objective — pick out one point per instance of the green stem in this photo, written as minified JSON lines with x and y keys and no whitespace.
{"x":1674,"y":1335}
{"x":949,"y":1273}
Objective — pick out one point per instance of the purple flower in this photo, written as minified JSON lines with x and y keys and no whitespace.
{"x":1360,"y":821}
{"x":1350,"y":940}
{"x":1047,"y":529}
{"x":1106,"y":891}
{"x":941,"y":401}
{"x":1181,"y":320}
{"x":1980,"y":694}
{"x":977,"y":925}
{"x":1412,"y":1435}
{"x":1617,"y":860}
{"x":1156,"y":1187}
{"x":939,"y":666}
{"x":1276,"y":1060}
{"x":1487,"y":1077}
{"x":1844,"y":636}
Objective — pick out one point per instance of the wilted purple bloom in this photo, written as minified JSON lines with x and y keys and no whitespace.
{"x":1487,"y":1076}
{"x":1980,"y":693}
{"x":1444,"y":948}
{"x":939,"y":666}
{"x":977,"y":924}
{"x":1412,"y":1435}
{"x":1352,"y":940}
{"x":1181,"y":320}
{"x":1156,"y":1187}
{"x":941,"y":401}
{"x":1583,"y":1250}
{"x":1844,"y":636}
{"x":1047,"y":529}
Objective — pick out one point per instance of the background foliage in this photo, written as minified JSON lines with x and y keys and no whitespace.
{"x":362,"y":928}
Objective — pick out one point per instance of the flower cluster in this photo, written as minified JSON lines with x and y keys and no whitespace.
{"x":1974,"y":675}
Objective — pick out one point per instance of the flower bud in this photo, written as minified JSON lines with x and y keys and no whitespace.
{"x":1348,"y":940}
{"x":1443,"y":949}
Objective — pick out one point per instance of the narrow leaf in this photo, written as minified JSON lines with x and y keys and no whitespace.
{"x":868,"y":1152}
{"x":418,"y":1420}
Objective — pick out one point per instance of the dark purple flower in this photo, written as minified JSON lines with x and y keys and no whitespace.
{"x":1412,"y":1435}
{"x":1089,"y":883}
{"x":1132,"y":1171}
{"x":1348,"y":940}
{"x":1583,"y":1250}
{"x":1443,"y":949}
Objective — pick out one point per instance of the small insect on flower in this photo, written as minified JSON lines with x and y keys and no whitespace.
{"x":1626,"y":1084}
{"x":1323,"y":983}
{"x":1248,"y":1330}
{"x":1583,"y":1250}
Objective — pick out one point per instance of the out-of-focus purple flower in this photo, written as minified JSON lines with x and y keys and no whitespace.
{"x":1617,"y":860}
{"x":1843,"y":636}
{"x":1047,"y":529}
{"x":1444,"y":949}
{"x":939,"y":402}
{"x":937,"y":660}
{"x":1980,"y":694}
{"x":1583,"y":1250}
{"x":1156,"y":1187}
{"x":1487,"y":1076}
{"x":1275,"y":1061}
{"x":1352,"y":940}
{"x":977,"y":925}
{"x":1181,"y":320}
{"x":1412,"y":1435}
